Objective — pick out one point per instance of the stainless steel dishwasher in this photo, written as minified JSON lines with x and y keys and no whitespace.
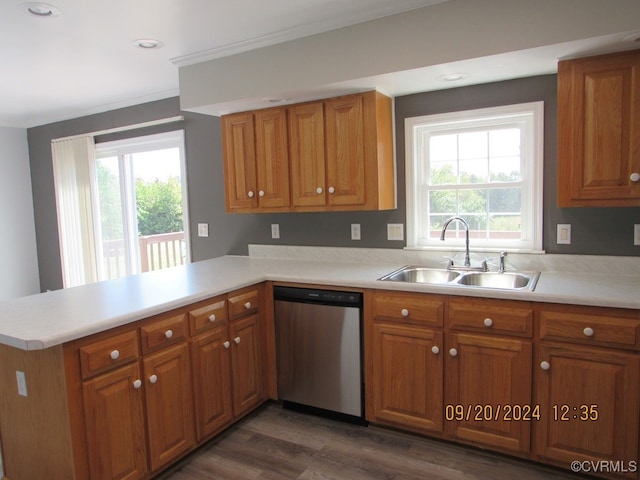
{"x":319,"y":349}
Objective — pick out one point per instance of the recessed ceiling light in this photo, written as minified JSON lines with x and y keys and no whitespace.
{"x":147,"y":43}
{"x":39,"y":9}
{"x":453,"y":77}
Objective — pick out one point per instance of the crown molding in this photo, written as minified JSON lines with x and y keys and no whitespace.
{"x":300,"y":31}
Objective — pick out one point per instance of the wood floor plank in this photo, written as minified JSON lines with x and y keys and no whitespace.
{"x":277,"y":444}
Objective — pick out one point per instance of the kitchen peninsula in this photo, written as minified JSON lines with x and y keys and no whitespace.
{"x":59,"y":346}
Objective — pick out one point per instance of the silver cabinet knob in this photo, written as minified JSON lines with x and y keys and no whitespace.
{"x":435,"y":350}
{"x":226,"y":344}
{"x":247,"y":305}
{"x":153,"y":379}
{"x":404,"y":312}
{"x":261,"y":193}
{"x":453,"y":352}
{"x":168,"y":333}
{"x":545,"y":365}
{"x":319,"y":190}
{"x":250,"y":194}
{"x":634,"y":177}
{"x":332,"y":190}
{"x":588,"y":332}
{"x":487,"y":322}
{"x":212,"y":317}
{"x":137,"y":384}
{"x":114,"y":355}
{"x":237,"y":340}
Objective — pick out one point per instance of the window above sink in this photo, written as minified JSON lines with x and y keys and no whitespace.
{"x":484,"y":165}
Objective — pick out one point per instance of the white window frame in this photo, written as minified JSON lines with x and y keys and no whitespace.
{"x":529,"y":117}
{"x":122,"y":149}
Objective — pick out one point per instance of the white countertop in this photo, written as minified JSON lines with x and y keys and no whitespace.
{"x":52,"y":318}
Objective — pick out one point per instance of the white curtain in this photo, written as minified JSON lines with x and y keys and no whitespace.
{"x":73,"y":161}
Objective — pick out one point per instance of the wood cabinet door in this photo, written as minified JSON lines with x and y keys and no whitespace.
{"x":247,"y":378}
{"x":589,"y":404}
{"x":169,"y":404}
{"x":238,"y":152}
{"x":212,"y":381}
{"x":407,"y":377}
{"x":115,"y":431}
{"x":307,"y":154}
{"x":599,"y":131}
{"x":272,"y":157}
{"x":344,"y":136}
{"x":488,"y":378}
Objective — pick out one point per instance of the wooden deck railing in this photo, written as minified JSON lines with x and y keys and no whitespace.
{"x":162,"y":251}
{"x":156,"y":252}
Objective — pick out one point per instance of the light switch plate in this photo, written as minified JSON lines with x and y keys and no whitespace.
{"x":275,"y":230}
{"x":564,"y":234}
{"x":355,"y":231}
{"x":636,"y":234}
{"x":203,"y":229}
{"x":22,"y":383}
{"x":395,"y":231}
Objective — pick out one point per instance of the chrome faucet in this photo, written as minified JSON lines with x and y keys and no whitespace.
{"x":467,"y":259}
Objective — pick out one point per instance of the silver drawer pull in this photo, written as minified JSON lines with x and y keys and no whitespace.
{"x":588,"y":332}
{"x":168,"y":333}
{"x":212,"y":317}
{"x":545,"y":365}
{"x":247,"y":305}
{"x":153,"y":379}
{"x":453,"y":352}
{"x":488,"y":322}
{"x":114,"y":355}
{"x":137,"y":384}
{"x":435,"y":350}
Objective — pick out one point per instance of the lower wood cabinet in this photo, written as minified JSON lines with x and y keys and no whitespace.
{"x":407,"y":368}
{"x":589,"y":405}
{"x":115,"y":424}
{"x":228,"y":373}
{"x":552,"y":383}
{"x":127,"y":403}
{"x":212,"y":381}
{"x":169,"y":403}
{"x":489,"y":391}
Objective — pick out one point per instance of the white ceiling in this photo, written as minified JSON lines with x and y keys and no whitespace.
{"x":82,"y":61}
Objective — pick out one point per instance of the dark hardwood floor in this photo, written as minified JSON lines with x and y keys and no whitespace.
{"x":274,"y":443}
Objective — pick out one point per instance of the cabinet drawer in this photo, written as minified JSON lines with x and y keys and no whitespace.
{"x":605,"y":330}
{"x":161,"y":332}
{"x":499,"y":316}
{"x":408,"y":308}
{"x":208,"y":316}
{"x":108,"y":353}
{"x":243,"y":303}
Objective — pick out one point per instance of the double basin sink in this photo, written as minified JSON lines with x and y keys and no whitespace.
{"x":437,"y":276}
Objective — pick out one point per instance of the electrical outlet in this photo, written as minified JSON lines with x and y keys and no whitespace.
{"x":203,"y":229}
{"x":395,"y":231}
{"x":564,"y":234}
{"x":636,"y":234}
{"x":355,"y":231}
{"x":22,"y":383}
{"x":275,"y":230}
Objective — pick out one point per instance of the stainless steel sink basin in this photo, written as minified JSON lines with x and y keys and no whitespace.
{"x":421,"y":275}
{"x":504,"y":281}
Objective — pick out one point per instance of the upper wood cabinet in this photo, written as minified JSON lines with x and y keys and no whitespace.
{"x":333,"y":154}
{"x":599,"y":131}
{"x":238,"y":146}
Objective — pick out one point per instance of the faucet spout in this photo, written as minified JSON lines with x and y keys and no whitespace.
{"x":467,"y":259}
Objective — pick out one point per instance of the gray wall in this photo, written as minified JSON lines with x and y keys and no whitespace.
{"x":595,"y":231}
